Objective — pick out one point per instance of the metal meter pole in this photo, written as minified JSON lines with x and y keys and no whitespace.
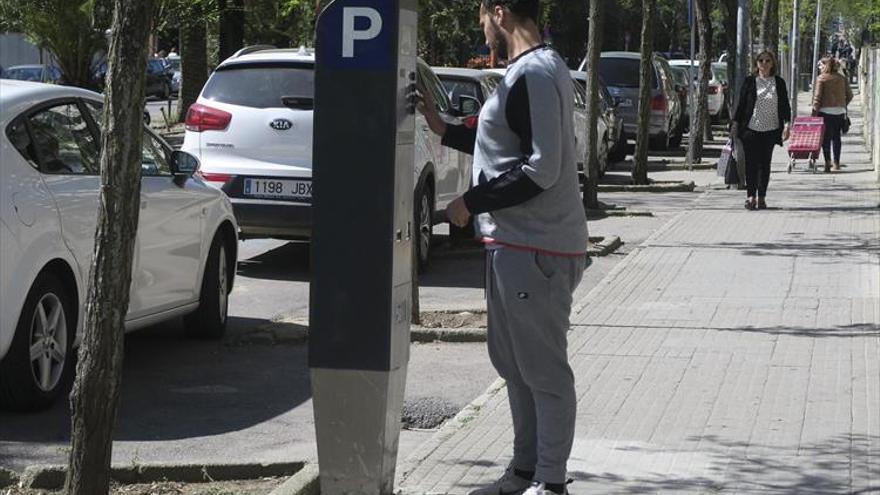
{"x":363,"y":154}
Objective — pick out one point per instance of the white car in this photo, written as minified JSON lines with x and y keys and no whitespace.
{"x":185,"y":250}
{"x":251,"y":127}
{"x":716,"y":85}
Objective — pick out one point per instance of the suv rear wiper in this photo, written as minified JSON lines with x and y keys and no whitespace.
{"x":298,"y":102}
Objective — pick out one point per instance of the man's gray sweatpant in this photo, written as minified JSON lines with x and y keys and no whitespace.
{"x":529,"y":297}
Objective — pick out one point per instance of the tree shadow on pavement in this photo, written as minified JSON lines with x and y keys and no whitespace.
{"x":176,"y":388}
{"x":841,"y":464}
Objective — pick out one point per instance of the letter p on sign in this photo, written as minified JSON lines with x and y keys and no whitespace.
{"x":350,"y":34}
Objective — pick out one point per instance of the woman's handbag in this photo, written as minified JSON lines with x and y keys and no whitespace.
{"x":844,"y":127}
{"x":726,"y":159}
{"x":727,"y":166}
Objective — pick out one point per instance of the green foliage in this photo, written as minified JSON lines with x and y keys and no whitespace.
{"x":64,"y":27}
{"x":283,"y":23}
{"x":449,"y":31}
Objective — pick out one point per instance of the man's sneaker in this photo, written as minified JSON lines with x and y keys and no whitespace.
{"x":538,"y":488}
{"x":508,"y":484}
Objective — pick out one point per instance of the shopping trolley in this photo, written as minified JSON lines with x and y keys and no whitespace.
{"x":805,"y":141}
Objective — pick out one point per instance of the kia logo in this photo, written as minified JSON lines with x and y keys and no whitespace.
{"x":281,"y":124}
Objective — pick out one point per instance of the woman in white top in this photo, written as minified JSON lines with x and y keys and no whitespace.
{"x":761,"y":119}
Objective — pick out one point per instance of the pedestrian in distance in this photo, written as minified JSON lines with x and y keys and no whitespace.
{"x":528,"y":211}
{"x":761,"y":122}
{"x":830,"y":99}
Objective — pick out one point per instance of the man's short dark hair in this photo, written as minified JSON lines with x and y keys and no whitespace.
{"x":524,"y":9}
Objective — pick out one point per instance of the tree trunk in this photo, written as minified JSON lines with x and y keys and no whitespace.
{"x":695,"y":145}
{"x":640,"y":157}
{"x":193,"y":59}
{"x":591,"y":161}
{"x":95,"y":396}
{"x":729,"y":24}
{"x":770,"y":26}
{"x":231,"y":27}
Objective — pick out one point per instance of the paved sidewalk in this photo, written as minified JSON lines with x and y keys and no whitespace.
{"x":732,"y":352}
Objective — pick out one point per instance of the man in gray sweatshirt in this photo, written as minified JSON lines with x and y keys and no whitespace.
{"x":528,"y":212}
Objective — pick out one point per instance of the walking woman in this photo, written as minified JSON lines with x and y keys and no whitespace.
{"x":830,"y":99}
{"x":761,"y":122}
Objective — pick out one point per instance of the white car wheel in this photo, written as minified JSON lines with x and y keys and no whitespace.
{"x":209,"y":320}
{"x":424,"y":211}
{"x":38,"y":365}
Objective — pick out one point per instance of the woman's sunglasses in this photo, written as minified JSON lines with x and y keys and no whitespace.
{"x":764,"y":61}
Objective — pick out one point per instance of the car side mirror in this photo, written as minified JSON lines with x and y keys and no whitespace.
{"x":183,"y":164}
{"x":468,"y":105}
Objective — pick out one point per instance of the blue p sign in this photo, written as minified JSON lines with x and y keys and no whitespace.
{"x":350,"y":34}
{"x":356,"y":34}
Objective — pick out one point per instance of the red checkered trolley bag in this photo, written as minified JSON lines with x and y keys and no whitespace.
{"x":805,"y":141}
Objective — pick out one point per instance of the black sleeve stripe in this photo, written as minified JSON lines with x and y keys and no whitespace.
{"x":508,"y":189}
{"x":519,"y":116}
{"x":460,"y":137}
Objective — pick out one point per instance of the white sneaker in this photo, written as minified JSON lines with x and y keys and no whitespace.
{"x":537,"y":488}
{"x":507,"y":484}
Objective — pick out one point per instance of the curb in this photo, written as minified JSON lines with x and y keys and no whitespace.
{"x":620,"y":212}
{"x":291,"y":332}
{"x":465,"y":416}
{"x":656,"y":187}
{"x":696,"y":166}
{"x":52,"y":477}
{"x":460,"y":335}
{"x":304,"y":482}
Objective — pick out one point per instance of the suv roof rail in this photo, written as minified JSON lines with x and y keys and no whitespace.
{"x":252,"y":49}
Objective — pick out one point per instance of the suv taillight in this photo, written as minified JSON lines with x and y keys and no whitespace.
{"x":204,"y":118}
{"x":658,"y":103}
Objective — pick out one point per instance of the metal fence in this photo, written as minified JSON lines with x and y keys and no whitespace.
{"x":869,"y":86}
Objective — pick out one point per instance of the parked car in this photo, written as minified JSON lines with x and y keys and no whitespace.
{"x":35,"y":72}
{"x":251,"y":127}
{"x":172,"y":66}
{"x":683,"y":89}
{"x":620,"y":71}
{"x":185,"y":250}
{"x":716,"y":86}
{"x":157,"y":82}
{"x":719,"y":72}
{"x":608,"y":113}
{"x":468,"y":89}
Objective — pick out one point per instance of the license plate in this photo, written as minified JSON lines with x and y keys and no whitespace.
{"x":278,"y":188}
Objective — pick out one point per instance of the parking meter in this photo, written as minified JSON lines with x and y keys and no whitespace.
{"x":364,"y":133}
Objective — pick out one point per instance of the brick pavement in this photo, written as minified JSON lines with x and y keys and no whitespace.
{"x":732,"y":352}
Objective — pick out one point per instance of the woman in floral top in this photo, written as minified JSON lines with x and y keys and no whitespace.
{"x":761,"y":120}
